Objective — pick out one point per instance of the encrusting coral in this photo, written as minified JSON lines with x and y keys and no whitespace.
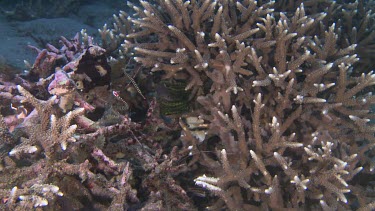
{"x":241,"y":105}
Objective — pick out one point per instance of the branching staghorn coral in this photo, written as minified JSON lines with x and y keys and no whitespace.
{"x":89,"y":164}
{"x":289,"y":119}
{"x":358,"y":28}
{"x":276,"y":113}
{"x":46,"y":169}
{"x":45,"y":132}
{"x":50,"y":130}
{"x":167,"y":48}
{"x":354,"y":19}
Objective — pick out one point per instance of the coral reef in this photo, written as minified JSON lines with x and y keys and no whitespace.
{"x":278,"y":94}
{"x":192,"y":105}
{"x":354,"y":19}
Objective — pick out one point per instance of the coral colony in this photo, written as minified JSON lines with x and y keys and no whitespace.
{"x":195,"y":105}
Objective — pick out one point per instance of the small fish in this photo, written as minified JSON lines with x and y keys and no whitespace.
{"x":117,"y":95}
